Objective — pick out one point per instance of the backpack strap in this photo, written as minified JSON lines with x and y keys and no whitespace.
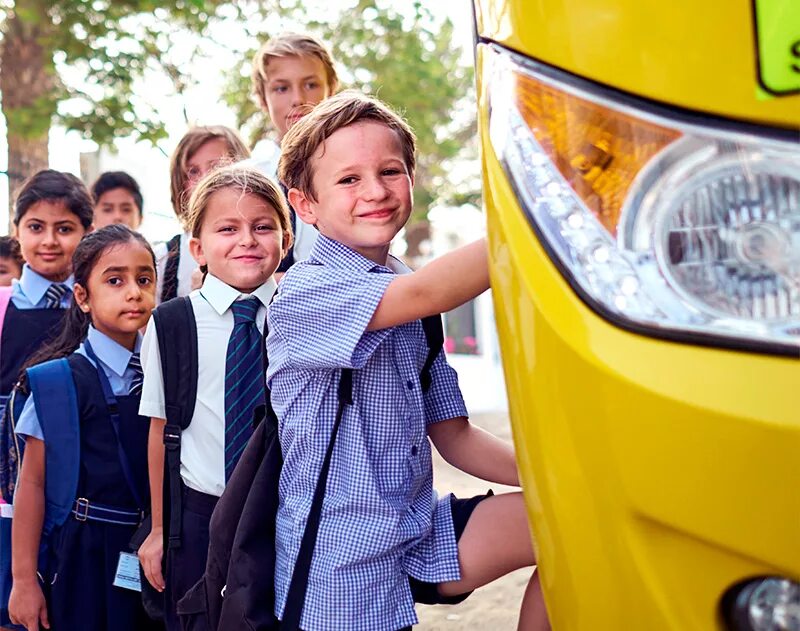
{"x":177,"y":346}
{"x":169,"y":288}
{"x":296,"y":597}
{"x":53,"y":391}
{"x":434,"y":336}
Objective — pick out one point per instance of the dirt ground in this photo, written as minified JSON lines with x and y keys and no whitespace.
{"x":492,"y":607}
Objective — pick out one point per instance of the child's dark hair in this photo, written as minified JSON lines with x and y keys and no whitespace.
{"x":76,"y":323}
{"x":110,"y":180}
{"x":9,"y":249}
{"x":55,"y":186}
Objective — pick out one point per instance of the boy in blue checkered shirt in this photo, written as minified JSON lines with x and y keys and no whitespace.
{"x":385,"y":539}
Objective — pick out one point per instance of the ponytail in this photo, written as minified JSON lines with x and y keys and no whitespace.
{"x":75,"y":326}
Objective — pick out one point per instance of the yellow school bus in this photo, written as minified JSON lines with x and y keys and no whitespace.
{"x":641,"y":164}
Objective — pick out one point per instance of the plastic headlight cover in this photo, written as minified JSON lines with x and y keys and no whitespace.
{"x":668,"y":227}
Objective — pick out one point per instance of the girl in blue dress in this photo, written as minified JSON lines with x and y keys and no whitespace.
{"x":77,"y":584}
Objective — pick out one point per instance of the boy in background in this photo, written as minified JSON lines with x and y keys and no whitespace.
{"x":117,"y":199}
{"x":291,"y":74}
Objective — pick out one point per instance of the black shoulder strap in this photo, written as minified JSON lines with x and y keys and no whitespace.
{"x":295,"y":599}
{"x":169,"y":287}
{"x":434,"y":336}
{"x":177,"y":346}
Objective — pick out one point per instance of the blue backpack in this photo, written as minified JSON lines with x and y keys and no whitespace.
{"x":50,"y":382}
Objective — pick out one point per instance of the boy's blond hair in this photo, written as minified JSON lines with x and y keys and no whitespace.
{"x":187,"y":147}
{"x":301,"y":142}
{"x":245,"y":180}
{"x":290,"y":45}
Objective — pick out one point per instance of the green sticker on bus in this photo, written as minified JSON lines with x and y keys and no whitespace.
{"x":778,"y":40}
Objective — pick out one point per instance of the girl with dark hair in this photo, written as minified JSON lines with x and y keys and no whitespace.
{"x":52,"y":213}
{"x":114,"y":296}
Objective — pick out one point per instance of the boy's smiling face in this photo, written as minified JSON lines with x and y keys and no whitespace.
{"x":362,"y":187}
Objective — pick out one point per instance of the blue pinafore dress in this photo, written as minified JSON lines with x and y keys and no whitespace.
{"x":112,"y":487}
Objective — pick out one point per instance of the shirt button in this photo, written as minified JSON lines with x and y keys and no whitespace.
{"x":410,"y":384}
{"x":413,"y":450}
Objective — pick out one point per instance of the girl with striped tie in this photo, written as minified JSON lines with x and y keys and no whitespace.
{"x":240,"y":230}
{"x":77,"y":585}
{"x":52,"y":213}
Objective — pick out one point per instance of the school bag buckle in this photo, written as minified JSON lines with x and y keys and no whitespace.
{"x":81,"y":510}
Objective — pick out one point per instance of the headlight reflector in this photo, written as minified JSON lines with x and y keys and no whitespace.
{"x":668,"y":227}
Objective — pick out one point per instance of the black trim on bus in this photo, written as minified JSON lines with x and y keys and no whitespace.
{"x":708,"y":340}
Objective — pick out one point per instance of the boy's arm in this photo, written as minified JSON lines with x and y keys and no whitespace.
{"x":440,"y":286}
{"x":27,"y":604}
{"x":474,"y":451}
{"x":151,"y":551}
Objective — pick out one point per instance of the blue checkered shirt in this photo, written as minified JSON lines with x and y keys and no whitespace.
{"x":381,"y":519}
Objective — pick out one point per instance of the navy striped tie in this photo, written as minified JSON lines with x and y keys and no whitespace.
{"x":244,"y":380}
{"x":135,"y":364}
{"x":54,"y":294}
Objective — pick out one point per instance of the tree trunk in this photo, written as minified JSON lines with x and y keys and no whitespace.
{"x":28,"y":86}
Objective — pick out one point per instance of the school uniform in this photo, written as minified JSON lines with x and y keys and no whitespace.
{"x":178,"y":282}
{"x":203,"y":442}
{"x":385,"y":538}
{"x":112,"y":493}
{"x":33,"y":317}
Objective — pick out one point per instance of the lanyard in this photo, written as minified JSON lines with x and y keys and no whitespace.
{"x":113,"y":412}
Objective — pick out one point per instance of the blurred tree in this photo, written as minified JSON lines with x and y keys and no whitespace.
{"x":407,"y":59}
{"x":74,"y":62}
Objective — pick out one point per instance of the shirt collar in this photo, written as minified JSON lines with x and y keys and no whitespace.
{"x":34,"y":285}
{"x":221,"y":295}
{"x":331,"y":252}
{"x":113,"y":355}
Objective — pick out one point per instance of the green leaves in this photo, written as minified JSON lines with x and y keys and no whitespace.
{"x":408,"y":60}
{"x":90,"y":56}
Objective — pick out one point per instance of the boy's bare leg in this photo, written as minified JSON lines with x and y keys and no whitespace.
{"x":497,"y":541}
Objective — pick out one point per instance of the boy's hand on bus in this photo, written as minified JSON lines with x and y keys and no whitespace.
{"x":150,"y":554}
{"x":27,"y":606}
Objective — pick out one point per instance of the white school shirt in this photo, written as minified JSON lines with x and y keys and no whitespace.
{"x":186,"y":265}
{"x":203,"y":442}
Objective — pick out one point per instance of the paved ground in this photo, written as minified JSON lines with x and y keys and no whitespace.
{"x":495,"y":606}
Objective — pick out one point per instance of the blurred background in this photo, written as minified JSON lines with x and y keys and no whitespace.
{"x":88,"y":86}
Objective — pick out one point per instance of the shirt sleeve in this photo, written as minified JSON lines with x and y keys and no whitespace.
{"x":152,"y":403}
{"x":444,"y":399}
{"x":28,"y":423}
{"x":320,"y":316}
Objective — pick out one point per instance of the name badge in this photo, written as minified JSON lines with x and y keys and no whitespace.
{"x":128,"y":576}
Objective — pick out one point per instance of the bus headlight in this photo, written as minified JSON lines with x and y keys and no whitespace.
{"x":664,"y":225}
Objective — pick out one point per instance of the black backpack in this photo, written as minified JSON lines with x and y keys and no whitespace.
{"x":176,"y":330}
{"x":237,"y":590}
